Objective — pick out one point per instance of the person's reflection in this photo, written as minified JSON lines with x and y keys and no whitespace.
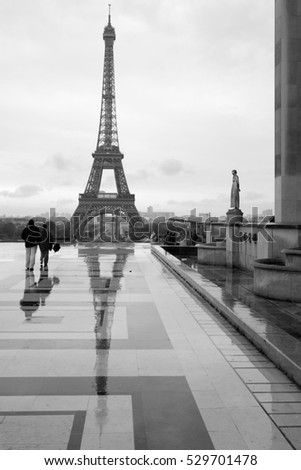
{"x":31,"y":299}
{"x":35,"y":293}
{"x":45,"y":285}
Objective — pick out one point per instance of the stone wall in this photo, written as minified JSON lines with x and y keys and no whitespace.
{"x":258,"y":242}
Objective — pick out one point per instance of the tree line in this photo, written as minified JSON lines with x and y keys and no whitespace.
{"x":11,"y":229}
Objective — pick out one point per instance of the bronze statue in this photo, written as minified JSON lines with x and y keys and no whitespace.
{"x":235,"y":190}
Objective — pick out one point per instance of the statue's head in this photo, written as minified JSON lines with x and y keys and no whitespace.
{"x":234,"y":172}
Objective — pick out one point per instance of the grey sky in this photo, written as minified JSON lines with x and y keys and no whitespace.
{"x":194,"y":94}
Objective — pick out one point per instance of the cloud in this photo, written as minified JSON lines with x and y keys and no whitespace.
{"x":65,"y":201}
{"x":60,"y":170}
{"x":139,"y":177}
{"x":173,"y":202}
{"x":221,"y":197}
{"x":171,"y":167}
{"x":253,"y":195}
{"x":58,"y":162}
{"x":26,"y":190}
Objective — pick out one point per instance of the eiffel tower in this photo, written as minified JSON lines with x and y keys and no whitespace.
{"x":107,"y":156}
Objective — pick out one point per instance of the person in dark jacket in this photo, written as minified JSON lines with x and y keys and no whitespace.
{"x":32,"y":236}
{"x":45,"y":245}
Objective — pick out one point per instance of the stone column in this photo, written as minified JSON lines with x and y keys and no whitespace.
{"x":288,"y":112}
{"x":234,"y":218}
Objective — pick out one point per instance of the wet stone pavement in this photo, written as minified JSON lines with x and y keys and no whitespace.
{"x":108,"y":350}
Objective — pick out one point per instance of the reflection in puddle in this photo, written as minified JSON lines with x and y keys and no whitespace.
{"x":234,"y":288}
{"x":105,"y":268}
{"x":35,"y":293}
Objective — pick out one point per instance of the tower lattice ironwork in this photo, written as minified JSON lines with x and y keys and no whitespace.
{"x":107,"y":156}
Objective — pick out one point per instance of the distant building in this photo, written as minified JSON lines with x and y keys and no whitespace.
{"x":204,"y":215}
{"x":150,"y":210}
{"x":267,"y":212}
{"x":151,"y":214}
{"x":67,"y":215}
{"x":52,"y":214}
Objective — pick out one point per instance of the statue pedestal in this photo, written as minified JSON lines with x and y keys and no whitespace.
{"x":234,"y":216}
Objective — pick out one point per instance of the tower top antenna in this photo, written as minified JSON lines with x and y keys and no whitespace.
{"x":109,"y":13}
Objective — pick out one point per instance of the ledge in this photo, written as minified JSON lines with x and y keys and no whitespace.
{"x":292,"y":251}
{"x":271,"y":264}
{"x":210,"y":246}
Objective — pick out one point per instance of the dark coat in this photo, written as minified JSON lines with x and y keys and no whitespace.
{"x":46,"y":240}
{"x":31,"y":235}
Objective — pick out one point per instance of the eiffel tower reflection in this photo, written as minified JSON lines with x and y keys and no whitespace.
{"x":105,"y":269}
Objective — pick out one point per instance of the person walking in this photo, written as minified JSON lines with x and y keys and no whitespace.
{"x":32,"y":236}
{"x":45,"y":245}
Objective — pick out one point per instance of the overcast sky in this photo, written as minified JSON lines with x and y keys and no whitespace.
{"x":194,"y":95}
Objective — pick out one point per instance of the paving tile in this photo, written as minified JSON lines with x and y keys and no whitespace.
{"x":288,"y":420}
{"x":278,"y":407}
{"x":26,"y":431}
{"x":108,"y":441}
{"x":19,"y":403}
{"x":294,"y":436}
{"x":262,"y":376}
{"x":233,"y":392}
{"x":226,"y":340}
{"x":228,"y":440}
{"x":252,"y":365}
{"x":257,"y":429}
{"x":245,"y":357}
{"x":219,"y":419}
{"x":60,"y":403}
{"x":104,"y":420}
{"x":207,"y":399}
{"x":273,"y":387}
{"x":277,"y":397}
{"x":237,"y":348}
{"x":158,"y":363}
{"x":199,"y":382}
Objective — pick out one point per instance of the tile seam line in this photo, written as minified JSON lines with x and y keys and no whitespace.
{"x":279,"y":403}
{"x":290,"y":427}
{"x":274,"y":383}
{"x":293,"y":392}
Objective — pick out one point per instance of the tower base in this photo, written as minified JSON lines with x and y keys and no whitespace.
{"x":121,"y":208}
